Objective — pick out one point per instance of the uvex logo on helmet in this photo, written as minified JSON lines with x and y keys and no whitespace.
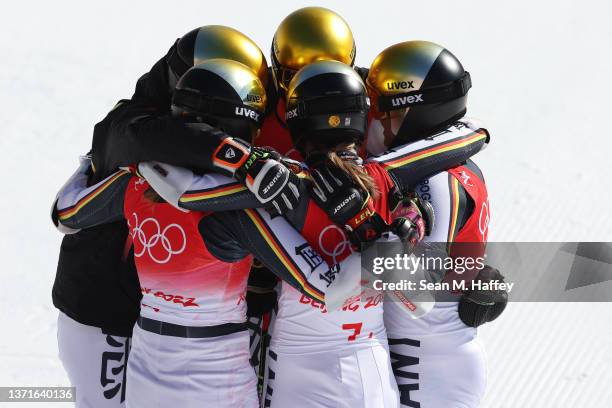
{"x":400,"y":85}
{"x":246,"y":112}
{"x":406,"y":100}
{"x":253,"y":98}
{"x":293,"y":113}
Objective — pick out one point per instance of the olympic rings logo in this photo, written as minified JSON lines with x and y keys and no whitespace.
{"x":340,"y":247}
{"x":158,"y":238}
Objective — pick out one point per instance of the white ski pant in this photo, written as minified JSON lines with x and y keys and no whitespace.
{"x":438,"y":371}
{"x":168,"y":371}
{"x":350,"y":378}
{"x":95,"y":363}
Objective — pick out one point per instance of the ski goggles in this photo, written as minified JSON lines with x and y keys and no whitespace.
{"x":442,"y":93}
{"x":216,"y":106}
{"x":329,"y":112}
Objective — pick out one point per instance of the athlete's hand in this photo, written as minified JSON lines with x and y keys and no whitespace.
{"x":261,"y":296}
{"x":477,"y":307}
{"x":272,"y":183}
{"x":346,"y":204}
{"x":414,"y":221}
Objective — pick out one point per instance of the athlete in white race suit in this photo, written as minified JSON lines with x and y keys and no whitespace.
{"x":190,"y":346}
{"x":336,"y":353}
{"x":320,"y":358}
{"x":419,"y":92}
{"x":304,"y":334}
{"x":437,"y":359}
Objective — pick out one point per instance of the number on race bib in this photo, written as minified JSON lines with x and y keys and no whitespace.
{"x":356,"y":327}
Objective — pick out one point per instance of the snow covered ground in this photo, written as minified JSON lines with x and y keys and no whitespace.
{"x":541,"y":77}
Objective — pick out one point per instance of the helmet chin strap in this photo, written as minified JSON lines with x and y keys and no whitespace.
{"x":318,"y":156}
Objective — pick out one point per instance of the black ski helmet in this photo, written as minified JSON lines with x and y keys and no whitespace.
{"x":422,"y":81}
{"x":217,"y":41}
{"x":327,"y":102}
{"x":223,"y":93}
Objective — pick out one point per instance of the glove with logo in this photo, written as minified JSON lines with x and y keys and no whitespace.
{"x":272,"y":183}
{"x":477,"y":307}
{"x":348,"y":205}
{"x":413,"y":222}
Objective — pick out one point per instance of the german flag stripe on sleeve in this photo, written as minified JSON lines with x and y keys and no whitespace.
{"x":66,"y":213}
{"x":454,"y":208}
{"x":431,"y":151}
{"x":283,"y":256}
{"x":201,"y":195}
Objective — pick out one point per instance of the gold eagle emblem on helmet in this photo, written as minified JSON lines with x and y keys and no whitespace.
{"x":334,"y":121}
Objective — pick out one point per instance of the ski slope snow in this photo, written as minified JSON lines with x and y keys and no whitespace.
{"x":541,"y":73}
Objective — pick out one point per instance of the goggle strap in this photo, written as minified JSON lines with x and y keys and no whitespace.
{"x":324,"y":104}
{"x":352,"y":121}
{"x":442,"y":93}
{"x":214,"y":106}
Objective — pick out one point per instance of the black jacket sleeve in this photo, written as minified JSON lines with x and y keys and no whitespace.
{"x":230,"y":235}
{"x":134,"y":133}
{"x":142,"y":129}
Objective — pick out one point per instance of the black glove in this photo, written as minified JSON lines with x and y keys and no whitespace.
{"x":261,"y":296}
{"x":346,"y":204}
{"x":259,"y":303}
{"x":270,"y":181}
{"x":477,"y":307}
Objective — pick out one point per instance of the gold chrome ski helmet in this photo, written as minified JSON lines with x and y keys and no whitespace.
{"x":416,"y":88}
{"x":217,"y":41}
{"x":307,"y":35}
{"x":223,"y":93}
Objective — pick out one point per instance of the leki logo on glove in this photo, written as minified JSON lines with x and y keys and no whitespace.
{"x":361,"y":217}
{"x":159,"y":244}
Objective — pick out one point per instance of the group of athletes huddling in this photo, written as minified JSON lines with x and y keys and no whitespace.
{"x":214,"y":232}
